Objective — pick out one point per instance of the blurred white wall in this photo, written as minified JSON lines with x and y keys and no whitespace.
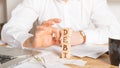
{"x":2,"y":11}
{"x":11,"y":4}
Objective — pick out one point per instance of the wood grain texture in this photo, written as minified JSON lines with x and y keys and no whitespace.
{"x":65,"y":42}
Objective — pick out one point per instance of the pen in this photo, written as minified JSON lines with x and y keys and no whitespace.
{"x":40,"y":60}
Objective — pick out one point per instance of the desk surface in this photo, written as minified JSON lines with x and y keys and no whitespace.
{"x":101,"y":62}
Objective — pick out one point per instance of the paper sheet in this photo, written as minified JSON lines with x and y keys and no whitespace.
{"x":75,"y":62}
{"x":52,"y":58}
{"x":37,"y":65}
{"x":51,"y":61}
{"x":29,"y":65}
{"x":93,"y":51}
{"x":57,"y":65}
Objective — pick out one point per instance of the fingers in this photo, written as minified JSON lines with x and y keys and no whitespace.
{"x":48,"y":23}
{"x":51,"y":22}
{"x":56,"y":20}
{"x":53,"y":32}
{"x":45,"y":31}
{"x":56,"y":39}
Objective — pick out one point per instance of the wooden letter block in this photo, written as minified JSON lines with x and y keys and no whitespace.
{"x":65,"y":42}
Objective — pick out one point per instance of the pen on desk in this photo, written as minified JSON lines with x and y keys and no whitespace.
{"x":40,"y":60}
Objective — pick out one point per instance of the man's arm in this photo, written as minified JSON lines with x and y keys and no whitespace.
{"x":16,"y":31}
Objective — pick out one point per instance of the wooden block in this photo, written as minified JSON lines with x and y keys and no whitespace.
{"x":65,"y":42}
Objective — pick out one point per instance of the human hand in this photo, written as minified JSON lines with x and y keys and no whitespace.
{"x":44,"y":34}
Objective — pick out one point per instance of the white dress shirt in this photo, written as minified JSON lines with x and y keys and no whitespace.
{"x":91,"y":16}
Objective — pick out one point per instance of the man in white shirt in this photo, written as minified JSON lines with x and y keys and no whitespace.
{"x":92,"y":17}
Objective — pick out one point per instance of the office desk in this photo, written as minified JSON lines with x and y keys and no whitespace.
{"x":101,"y":62}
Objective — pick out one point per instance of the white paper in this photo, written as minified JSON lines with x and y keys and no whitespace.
{"x":29,"y":65}
{"x":75,"y":62}
{"x":49,"y":58}
{"x":37,"y":65}
{"x":52,"y":58}
{"x":93,"y":51}
{"x":51,"y":61}
{"x":57,"y":65}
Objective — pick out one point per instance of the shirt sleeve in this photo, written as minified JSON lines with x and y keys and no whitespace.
{"x":105,"y":23}
{"x":16,"y":30}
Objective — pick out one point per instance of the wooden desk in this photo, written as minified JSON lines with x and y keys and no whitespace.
{"x":101,"y":62}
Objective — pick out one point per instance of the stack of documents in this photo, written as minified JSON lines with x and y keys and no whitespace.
{"x":49,"y":60}
{"x":52,"y":58}
{"x":37,"y":65}
{"x":93,"y":51}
